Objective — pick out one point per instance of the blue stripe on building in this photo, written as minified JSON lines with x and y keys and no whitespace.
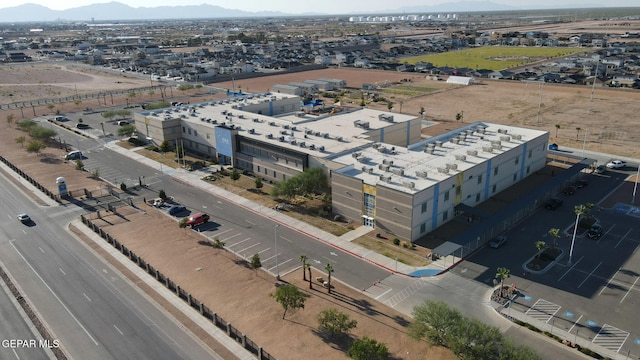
{"x":524,"y":154}
{"x":434,"y":215}
{"x":487,"y":181}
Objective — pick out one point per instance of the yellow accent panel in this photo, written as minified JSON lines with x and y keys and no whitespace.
{"x":459,"y":180}
{"x":368,"y":189}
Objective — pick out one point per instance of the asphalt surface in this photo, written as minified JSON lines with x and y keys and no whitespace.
{"x":91,"y":310}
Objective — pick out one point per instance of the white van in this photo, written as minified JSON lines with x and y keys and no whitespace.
{"x":74,"y":155}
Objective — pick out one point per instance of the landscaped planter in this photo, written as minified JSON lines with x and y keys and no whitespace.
{"x":543,"y":261}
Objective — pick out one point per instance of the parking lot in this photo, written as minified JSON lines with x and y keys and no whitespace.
{"x":595,"y":296}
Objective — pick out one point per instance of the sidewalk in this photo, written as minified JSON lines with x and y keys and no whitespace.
{"x":344,"y":242}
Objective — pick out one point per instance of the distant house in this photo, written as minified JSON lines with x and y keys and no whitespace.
{"x":500,"y":74}
{"x":287,"y":89}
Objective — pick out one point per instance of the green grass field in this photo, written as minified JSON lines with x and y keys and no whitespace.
{"x":493,"y":57}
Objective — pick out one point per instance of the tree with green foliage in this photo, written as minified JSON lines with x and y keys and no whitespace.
{"x":162,"y":195}
{"x":26,"y":125}
{"x":540,"y":245}
{"x":235,"y":175}
{"x":35,"y":146}
{"x":290,"y":297}
{"x":218,"y":244}
{"x":555,"y":234}
{"x":255,"y":263}
{"x":79,"y":165}
{"x":390,"y":105}
{"x":109,"y":114}
{"x":41,"y":133}
{"x":20,"y":140}
{"x":368,"y":349}
{"x":126,"y":130}
{"x":183,"y":223}
{"x":329,"y":269}
{"x":123,"y":186}
{"x":434,"y":320}
{"x":502,"y":274}
{"x":310,"y":181}
{"x":334,"y":322}
{"x":303,"y":259}
{"x":10,"y":118}
{"x":258,"y":183}
{"x":166,"y":147}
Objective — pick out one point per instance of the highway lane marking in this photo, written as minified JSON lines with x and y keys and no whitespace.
{"x":623,"y":237}
{"x":630,"y":288}
{"x":85,"y":295}
{"x":55,"y":296}
{"x":121,"y":333}
{"x":588,"y":276}
{"x":62,"y":271}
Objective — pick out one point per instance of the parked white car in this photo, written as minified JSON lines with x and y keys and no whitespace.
{"x":616,"y":164}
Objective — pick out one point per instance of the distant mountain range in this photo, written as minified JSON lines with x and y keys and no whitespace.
{"x":119,"y":11}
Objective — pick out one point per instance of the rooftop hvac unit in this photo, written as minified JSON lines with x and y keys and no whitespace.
{"x":361,"y":158}
{"x":382,"y":149}
{"x":308,"y":131}
{"x":252,"y":131}
{"x":292,"y":141}
{"x":272,"y":123}
{"x":256,"y":120}
{"x":281,"y":138}
{"x":370,"y":170}
{"x":438,"y":143}
{"x":453,"y":166}
{"x":496,"y":146}
{"x":469,"y":132}
{"x":385,"y":178}
{"x":516,"y":137}
{"x":505,"y":138}
{"x":502,"y":131}
{"x":325,"y":135}
{"x":339,"y":138}
{"x":240,"y":116}
{"x":495,"y":142}
{"x":317,"y":133}
{"x":399,"y":172}
{"x":421,"y":174}
{"x":376,"y":145}
{"x":472,"y":152}
{"x":461,"y":157}
{"x":209,"y":120}
{"x":383,"y":167}
{"x":293,"y":128}
{"x":237,"y":127}
{"x":455,"y":140}
{"x":203,"y":119}
{"x":302,"y":144}
{"x":356,"y":154}
{"x":487,"y":149}
{"x":409,"y":184}
{"x":431,"y":145}
{"x":443,"y":170}
{"x":214,"y":121}
{"x":321,"y":148}
{"x":285,"y":126}
{"x":429,"y":150}
{"x":283,"y":132}
{"x":223,"y":112}
{"x":387,"y":162}
{"x":312,"y":147}
{"x":269,"y":136}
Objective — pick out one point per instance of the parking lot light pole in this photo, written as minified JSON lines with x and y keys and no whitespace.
{"x":275,"y":235}
{"x":635,"y":186}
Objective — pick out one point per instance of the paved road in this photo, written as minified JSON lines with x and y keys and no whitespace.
{"x":90,"y":308}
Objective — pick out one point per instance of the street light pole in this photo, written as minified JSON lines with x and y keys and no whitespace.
{"x":275,"y":235}
{"x":573,"y":240}
{"x":635,"y":186}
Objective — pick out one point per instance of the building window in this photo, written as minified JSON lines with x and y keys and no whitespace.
{"x":528,"y":169}
{"x":494,"y":189}
{"x":258,"y":168}
{"x":458,"y":190}
{"x":265,"y":171}
{"x":515,"y":177}
{"x":495,"y":171}
{"x":184,"y":130}
{"x":517,"y":160}
{"x":480,"y":179}
{"x":189,"y":131}
{"x":446,"y":196}
{"x":423,"y":228}
{"x":424,"y":207}
{"x":529,"y":154}
{"x":445,"y":215}
{"x":478,"y":197}
{"x":274,"y":174}
{"x":369,"y":205}
{"x":195,"y":132}
{"x":208,"y":136}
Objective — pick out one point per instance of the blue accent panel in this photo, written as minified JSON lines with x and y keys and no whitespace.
{"x":434,"y":214}
{"x":382,"y":135}
{"x":524,"y":156}
{"x":224,"y":145}
{"x":487,"y":181}
{"x":270,"y":108}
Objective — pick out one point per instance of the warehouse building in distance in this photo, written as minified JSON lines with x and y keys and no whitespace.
{"x":381,"y":172}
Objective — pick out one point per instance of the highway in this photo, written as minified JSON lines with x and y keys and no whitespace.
{"x":91,"y":309}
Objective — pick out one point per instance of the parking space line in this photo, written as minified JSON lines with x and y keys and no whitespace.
{"x":222,"y":232}
{"x":571,"y":268}
{"x":574,"y":324}
{"x":248,"y":247}
{"x":588,"y":276}
{"x":630,"y":288}
{"x":611,"y":338}
{"x":261,"y":251}
{"x":605,"y":234}
{"x":623,"y":237}
{"x":609,"y":282}
{"x":279,"y":264}
{"x":269,"y":258}
{"x":239,"y":242}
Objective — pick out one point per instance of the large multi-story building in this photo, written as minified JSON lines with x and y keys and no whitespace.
{"x":380,"y":170}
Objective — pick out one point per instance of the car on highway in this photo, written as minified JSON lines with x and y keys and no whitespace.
{"x":616,"y":164}
{"x":24,"y":218}
{"x":198,"y":219}
{"x":553,"y":203}
{"x":498,"y":241}
{"x":176,"y":209}
{"x":595,"y":232}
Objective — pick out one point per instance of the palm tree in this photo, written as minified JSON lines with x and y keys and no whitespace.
{"x":303,"y":258}
{"x":555,"y":234}
{"x":539,"y":246}
{"x":579,"y":210}
{"x":329,"y":269}
{"x":502,"y":274}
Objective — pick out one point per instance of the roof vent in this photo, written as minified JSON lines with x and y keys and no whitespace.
{"x":472,"y":152}
{"x":409,"y":184}
{"x":421,"y":174}
{"x":461,"y":157}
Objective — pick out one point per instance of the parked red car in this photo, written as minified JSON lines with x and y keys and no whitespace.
{"x":198,"y":219}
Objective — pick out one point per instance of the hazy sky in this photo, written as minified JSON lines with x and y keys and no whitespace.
{"x":324,"y":6}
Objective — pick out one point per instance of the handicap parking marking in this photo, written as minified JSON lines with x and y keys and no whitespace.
{"x":543,"y":310}
{"x":611,"y":338}
{"x":591,"y":323}
{"x":568,"y":314}
{"x":527,"y":298}
{"x":636,"y":341}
